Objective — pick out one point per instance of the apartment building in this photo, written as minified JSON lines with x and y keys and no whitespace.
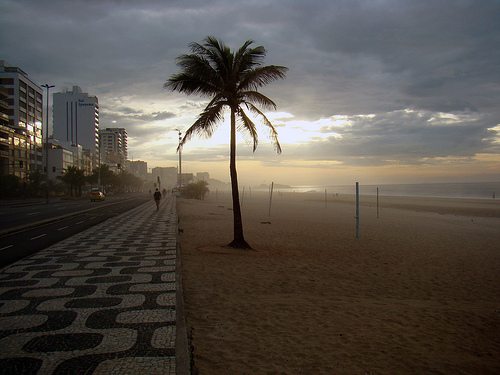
{"x":165,"y":178}
{"x":59,"y":160}
{"x":139,"y":168}
{"x":76,"y":119}
{"x":21,"y":121}
{"x":114,"y":145}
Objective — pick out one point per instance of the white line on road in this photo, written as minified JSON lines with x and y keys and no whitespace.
{"x":33,"y":213}
{"x":63,"y":228}
{"x":6,"y":247}
{"x":83,"y":221}
{"x":34,"y":238}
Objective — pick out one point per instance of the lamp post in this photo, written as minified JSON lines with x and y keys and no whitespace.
{"x":48,"y":87}
{"x":99,"y":160}
{"x":180,"y":165}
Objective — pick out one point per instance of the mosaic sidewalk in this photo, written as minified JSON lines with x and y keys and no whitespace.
{"x":101,"y":302}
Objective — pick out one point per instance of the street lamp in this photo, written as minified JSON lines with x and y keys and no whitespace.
{"x":180,"y":166}
{"x":99,"y":160}
{"x":48,"y":87}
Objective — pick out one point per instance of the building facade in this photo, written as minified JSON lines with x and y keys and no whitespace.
{"x":59,"y":160}
{"x":165,"y":178}
{"x":21,"y":121}
{"x":114,"y":145}
{"x":139,"y":168}
{"x":202,"y":176}
{"x":76,"y":119}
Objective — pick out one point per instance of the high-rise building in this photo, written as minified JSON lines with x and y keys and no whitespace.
{"x":114,"y":145}
{"x":76,"y":119}
{"x":21,"y":116}
{"x":139,"y":168}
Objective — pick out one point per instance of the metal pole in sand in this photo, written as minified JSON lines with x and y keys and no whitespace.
{"x":357,"y":209}
{"x":377,"y":203}
{"x":326,"y":200}
{"x":271,"y":197}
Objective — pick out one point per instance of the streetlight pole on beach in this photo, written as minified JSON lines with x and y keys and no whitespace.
{"x":48,"y":87}
{"x":179,"y":182}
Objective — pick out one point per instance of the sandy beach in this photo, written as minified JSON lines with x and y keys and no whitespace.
{"x":416,"y":293}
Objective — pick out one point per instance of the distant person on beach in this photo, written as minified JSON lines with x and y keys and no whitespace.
{"x":157,"y":198}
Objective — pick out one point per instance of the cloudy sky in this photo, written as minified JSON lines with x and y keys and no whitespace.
{"x":377,"y":91}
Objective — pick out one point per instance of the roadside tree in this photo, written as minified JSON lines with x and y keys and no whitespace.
{"x":74,"y":178}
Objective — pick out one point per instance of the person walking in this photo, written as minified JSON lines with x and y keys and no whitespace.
{"x":157,"y":198}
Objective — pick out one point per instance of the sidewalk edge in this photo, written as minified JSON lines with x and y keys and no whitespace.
{"x":182,"y":357}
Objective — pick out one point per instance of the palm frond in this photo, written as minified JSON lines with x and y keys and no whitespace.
{"x":197,"y":77}
{"x":229,"y":79}
{"x":197,"y":66}
{"x":245,"y":58}
{"x":189,"y":85}
{"x":257,"y":97}
{"x":262,"y":76}
{"x":273,"y":133}
{"x":247,"y":128}
{"x":218,"y":54}
{"x":206,"y":123}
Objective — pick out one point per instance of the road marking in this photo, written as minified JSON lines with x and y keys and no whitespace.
{"x":33,"y":213}
{"x":83,"y":221}
{"x":6,"y":247}
{"x":42,"y":235}
{"x":63,"y":228}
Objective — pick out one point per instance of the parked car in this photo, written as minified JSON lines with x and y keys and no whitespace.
{"x":96,"y":195}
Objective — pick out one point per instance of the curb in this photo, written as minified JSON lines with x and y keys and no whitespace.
{"x":182,"y":356}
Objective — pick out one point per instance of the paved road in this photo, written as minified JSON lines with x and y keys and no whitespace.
{"x":19,"y":213}
{"x":58,"y":221}
{"x":107,"y":300}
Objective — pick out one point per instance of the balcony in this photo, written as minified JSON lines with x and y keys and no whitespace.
{"x":4,"y":104}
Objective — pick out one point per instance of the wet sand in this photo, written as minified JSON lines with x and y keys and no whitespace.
{"x":416,"y":293}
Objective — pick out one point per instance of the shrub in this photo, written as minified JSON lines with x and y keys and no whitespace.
{"x":196,"y":190}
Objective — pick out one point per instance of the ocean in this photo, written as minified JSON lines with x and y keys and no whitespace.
{"x":444,"y":190}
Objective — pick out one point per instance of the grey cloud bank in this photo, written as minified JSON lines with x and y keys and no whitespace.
{"x":404,"y":62}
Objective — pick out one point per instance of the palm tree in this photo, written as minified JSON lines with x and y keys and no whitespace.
{"x":36,"y":180}
{"x":230,"y":79}
{"x":105,"y":173}
{"x":74,"y":178}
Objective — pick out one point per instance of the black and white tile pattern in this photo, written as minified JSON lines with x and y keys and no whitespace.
{"x":101,"y":302}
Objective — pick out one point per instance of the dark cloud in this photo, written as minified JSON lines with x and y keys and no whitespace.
{"x":345,"y":58}
{"x":401,"y":137}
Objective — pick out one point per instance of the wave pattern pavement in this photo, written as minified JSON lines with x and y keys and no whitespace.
{"x":101,"y":302}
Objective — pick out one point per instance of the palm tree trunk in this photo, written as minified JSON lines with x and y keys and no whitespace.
{"x":238,"y":240}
